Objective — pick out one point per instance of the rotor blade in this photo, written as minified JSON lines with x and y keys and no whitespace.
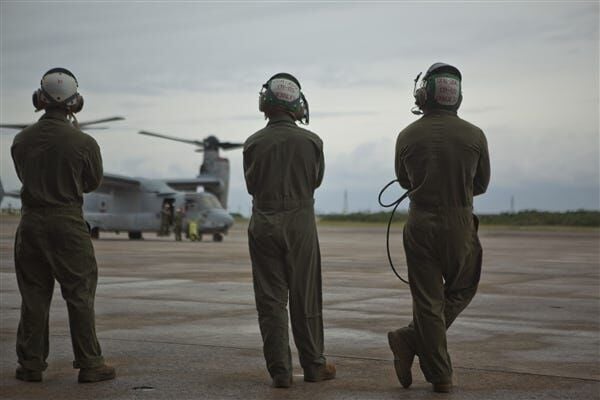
{"x":14,"y":126}
{"x":189,"y":141}
{"x":99,"y":121}
{"x":230,"y":146}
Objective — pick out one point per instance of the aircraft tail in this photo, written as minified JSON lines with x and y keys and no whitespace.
{"x":13,"y":193}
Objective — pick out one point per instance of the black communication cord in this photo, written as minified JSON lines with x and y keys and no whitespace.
{"x":394,"y":204}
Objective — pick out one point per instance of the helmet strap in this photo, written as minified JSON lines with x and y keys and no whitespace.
{"x":73,"y":119}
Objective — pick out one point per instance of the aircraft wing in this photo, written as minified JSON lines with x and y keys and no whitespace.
{"x":99,"y":121}
{"x":118,"y":182}
{"x":10,"y":193}
{"x":13,"y":193}
{"x":14,"y":126}
{"x":190,"y":185}
{"x":81,"y":124}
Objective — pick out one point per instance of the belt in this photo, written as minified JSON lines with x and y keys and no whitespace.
{"x":52,"y":210}
{"x":283,"y":204}
{"x":439,"y":209}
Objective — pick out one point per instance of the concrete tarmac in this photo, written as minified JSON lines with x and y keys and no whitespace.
{"x":178,"y":320}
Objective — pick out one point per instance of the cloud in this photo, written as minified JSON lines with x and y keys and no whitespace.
{"x":195,"y":69}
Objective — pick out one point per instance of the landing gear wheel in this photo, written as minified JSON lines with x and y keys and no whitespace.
{"x":135,"y":235}
{"x":217,"y":237}
{"x":95,"y":233}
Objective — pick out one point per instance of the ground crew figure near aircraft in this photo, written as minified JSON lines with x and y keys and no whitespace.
{"x":165,"y":215}
{"x":178,"y":224}
{"x":56,"y":164}
{"x":444,"y":161}
{"x":283,"y":165}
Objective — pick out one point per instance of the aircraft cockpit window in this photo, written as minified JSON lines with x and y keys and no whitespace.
{"x":209,"y":202}
{"x":190,"y":204}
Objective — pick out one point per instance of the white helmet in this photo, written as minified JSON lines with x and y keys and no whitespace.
{"x":58,"y":87}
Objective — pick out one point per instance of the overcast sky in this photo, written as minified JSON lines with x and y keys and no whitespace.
{"x":192,"y":69}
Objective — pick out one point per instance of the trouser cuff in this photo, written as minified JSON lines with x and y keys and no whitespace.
{"x":34,"y":365}
{"x":92,"y":362}
{"x":439,"y":379}
{"x":314,"y":365}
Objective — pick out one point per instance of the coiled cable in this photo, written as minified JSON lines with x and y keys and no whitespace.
{"x":394,"y":204}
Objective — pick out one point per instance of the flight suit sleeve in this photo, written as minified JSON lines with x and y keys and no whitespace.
{"x":482,"y":174}
{"x":14,"y":155}
{"x":92,"y":170}
{"x":320,"y":167}
{"x":16,"y":152}
{"x":248,"y":175}
{"x":401,"y":172}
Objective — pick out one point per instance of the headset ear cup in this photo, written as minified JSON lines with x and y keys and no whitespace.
{"x":420,"y":97}
{"x":303,"y":114}
{"x":460,"y":98}
{"x":35,"y":99}
{"x":78,"y":105}
{"x":262,"y":97}
{"x":261,"y":102}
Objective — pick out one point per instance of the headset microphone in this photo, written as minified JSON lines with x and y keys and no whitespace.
{"x":416,"y":108}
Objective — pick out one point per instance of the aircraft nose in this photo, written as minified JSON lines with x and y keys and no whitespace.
{"x":220,"y":219}
{"x":227,"y":220}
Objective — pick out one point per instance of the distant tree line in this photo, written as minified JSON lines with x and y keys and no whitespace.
{"x":521,"y":218}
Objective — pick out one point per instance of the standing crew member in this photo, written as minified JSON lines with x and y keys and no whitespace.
{"x":444,"y":162}
{"x":165,"y":214}
{"x":283,"y":165}
{"x":56,"y":163}
{"x":178,"y":225}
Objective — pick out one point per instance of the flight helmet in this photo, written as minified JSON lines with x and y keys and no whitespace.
{"x":58,"y":88}
{"x":440,"y":88}
{"x":283,"y":91}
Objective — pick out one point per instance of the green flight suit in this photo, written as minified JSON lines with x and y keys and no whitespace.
{"x":178,"y":226}
{"x":283,"y":165}
{"x":165,"y":215}
{"x":56,"y":164}
{"x":444,"y":161}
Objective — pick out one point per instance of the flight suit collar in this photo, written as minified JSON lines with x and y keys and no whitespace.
{"x":439,"y":111}
{"x":281,"y":118}
{"x":54,"y":114}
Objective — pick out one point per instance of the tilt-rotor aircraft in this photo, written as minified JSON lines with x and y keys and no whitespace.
{"x":133,"y":204}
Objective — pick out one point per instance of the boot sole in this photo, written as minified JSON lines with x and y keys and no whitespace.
{"x":283,"y":383}
{"x":443,"y":388}
{"x":320,"y":377}
{"x":97,"y":378}
{"x":29,"y":376}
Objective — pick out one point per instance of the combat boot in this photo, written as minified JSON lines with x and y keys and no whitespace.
{"x":28,"y":375}
{"x":101,"y":373}
{"x":404,"y":356}
{"x":282,"y":381}
{"x":321,"y":373}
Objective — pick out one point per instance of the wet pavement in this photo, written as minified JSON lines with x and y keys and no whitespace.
{"x":178,"y":320}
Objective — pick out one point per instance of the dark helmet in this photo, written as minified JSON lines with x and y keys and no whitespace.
{"x":283,"y":91}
